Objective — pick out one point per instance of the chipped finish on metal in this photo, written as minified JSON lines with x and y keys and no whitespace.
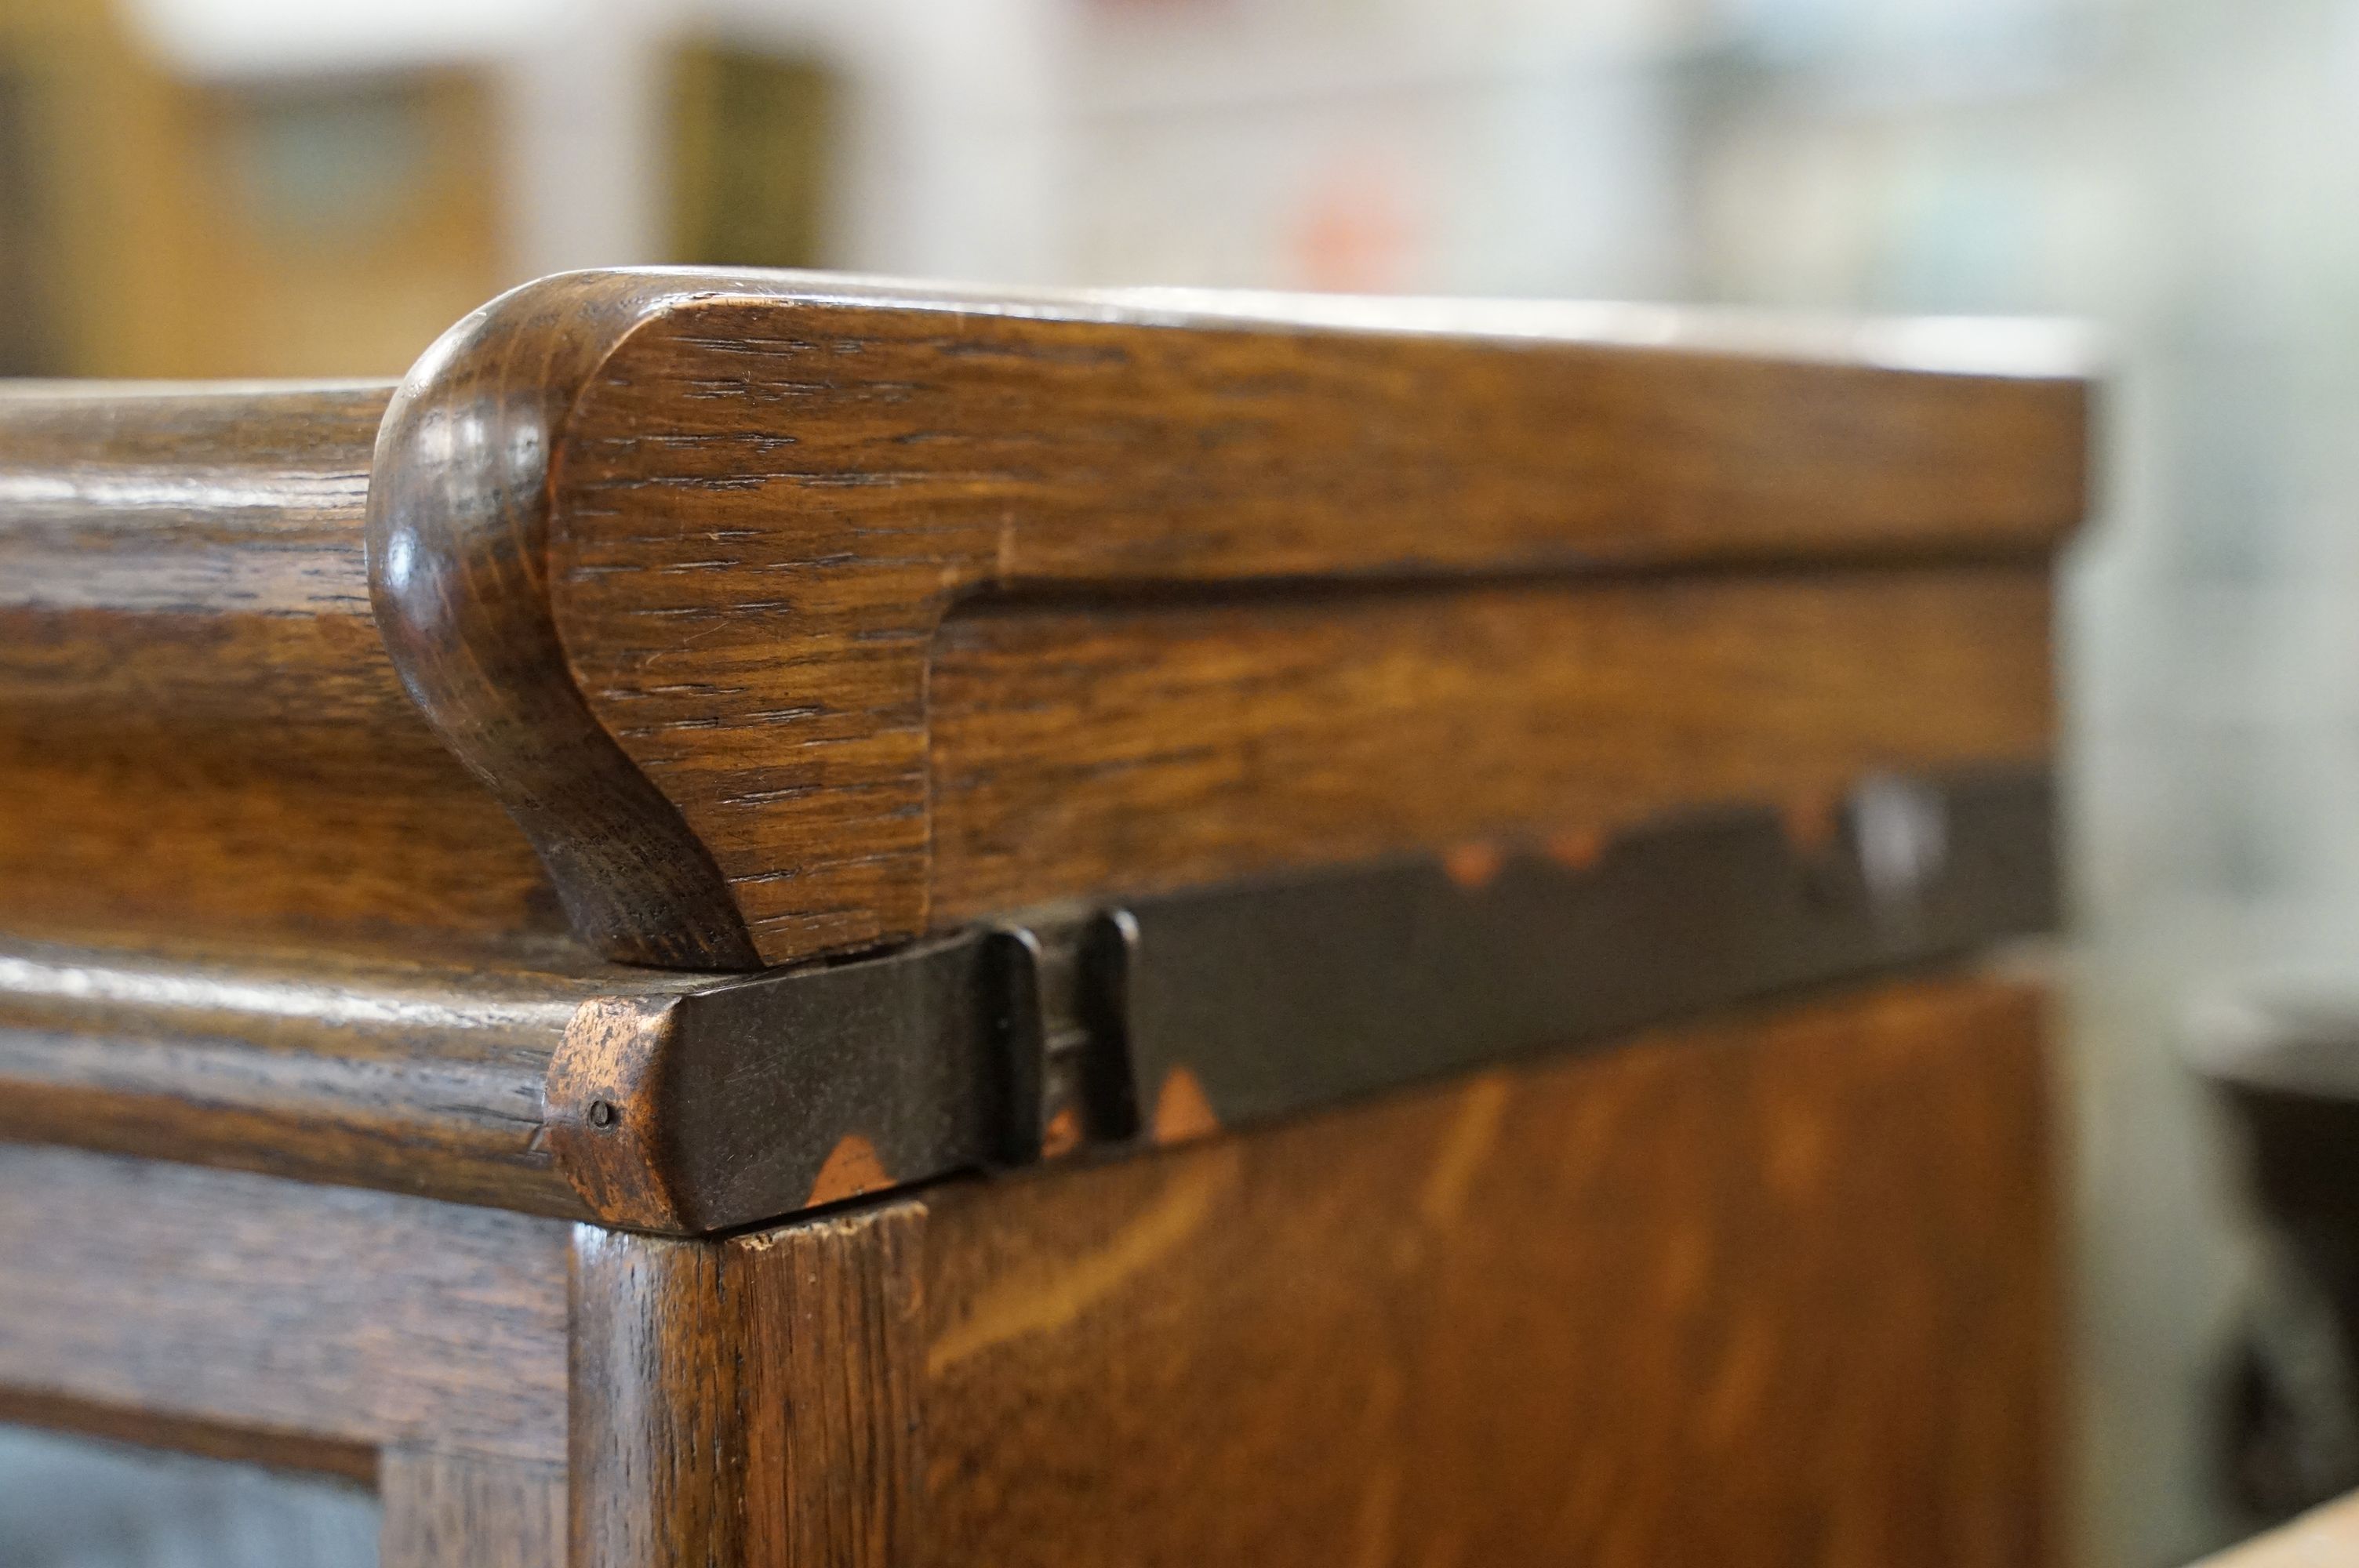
{"x":1178,"y":1017}
{"x":759,"y":1097}
{"x":1302,"y":992}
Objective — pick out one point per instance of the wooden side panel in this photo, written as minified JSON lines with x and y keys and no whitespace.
{"x":1778,"y":1290}
{"x":1775,"y":1289}
{"x":748,"y":1402}
{"x":1080,"y":749}
{"x":162,"y":1299}
{"x":444,"y":1510}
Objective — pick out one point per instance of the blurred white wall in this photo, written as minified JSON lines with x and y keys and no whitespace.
{"x":2180,"y":170}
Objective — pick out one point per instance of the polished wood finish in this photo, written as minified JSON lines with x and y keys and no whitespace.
{"x":751,"y":1402}
{"x":1078,"y":748}
{"x":1569,"y":1310}
{"x":200,"y":728}
{"x":390,"y":778}
{"x":1771,"y":1291}
{"x":664,"y":556}
{"x":427,"y":1076}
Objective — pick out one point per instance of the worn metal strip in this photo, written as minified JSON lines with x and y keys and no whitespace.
{"x":1164,"y":1017}
{"x":1242,"y":1005}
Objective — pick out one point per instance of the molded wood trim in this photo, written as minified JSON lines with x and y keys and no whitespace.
{"x":457,"y":542}
{"x":663,"y":556}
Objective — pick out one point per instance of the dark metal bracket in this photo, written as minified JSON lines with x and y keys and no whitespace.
{"x":1164,"y":1017}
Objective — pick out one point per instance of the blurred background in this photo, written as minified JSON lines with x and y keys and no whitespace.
{"x":251,"y":187}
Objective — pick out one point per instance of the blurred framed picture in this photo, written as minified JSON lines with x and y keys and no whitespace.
{"x":753,"y":141}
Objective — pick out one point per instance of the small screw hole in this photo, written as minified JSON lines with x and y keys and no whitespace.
{"x":601,"y":1114}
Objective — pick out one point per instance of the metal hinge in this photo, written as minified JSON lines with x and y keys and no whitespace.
{"x":1167,"y":1016}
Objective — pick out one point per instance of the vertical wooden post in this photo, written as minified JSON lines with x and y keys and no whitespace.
{"x":465,"y":1510}
{"x":748,"y":1402}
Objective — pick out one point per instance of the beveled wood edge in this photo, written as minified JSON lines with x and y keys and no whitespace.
{"x":605,"y":1115}
{"x":596,"y":1144}
{"x":460,"y":522}
{"x":457,"y":548}
{"x":559,"y":1087}
{"x":451,"y":1080}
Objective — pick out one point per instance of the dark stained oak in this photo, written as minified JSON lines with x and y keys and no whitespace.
{"x":426,"y":1074}
{"x":460,"y":537}
{"x":231,"y":503}
{"x":750,"y":1402}
{"x":1119,"y":747}
{"x":1774,"y":1287}
{"x":257,"y":834}
{"x":664,"y":556}
{"x":398,"y":786}
{"x":200,"y":728}
{"x":673,"y":1102}
{"x":725,"y":645}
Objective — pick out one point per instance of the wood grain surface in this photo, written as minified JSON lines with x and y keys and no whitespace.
{"x":1776,"y":1288}
{"x":682,"y":614}
{"x":664,"y":556}
{"x":200,"y":728}
{"x":748,"y":1402}
{"x":1083,"y":750}
{"x":666,"y":559}
{"x":707,"y":621}
{"x":460,"y":535}
{"x":154,"y":1301}
{"x":1772,"y":1290}
{"x":426,"y":1074}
